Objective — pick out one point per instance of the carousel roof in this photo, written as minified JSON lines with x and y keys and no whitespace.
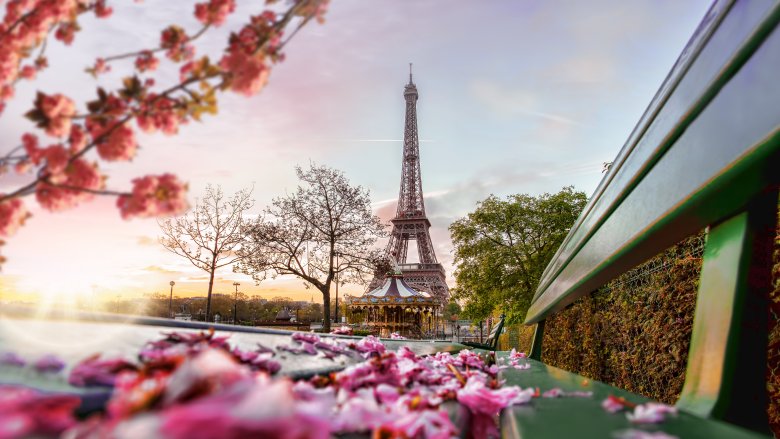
{"x":395,"y":291}
{"x":394,"y":287}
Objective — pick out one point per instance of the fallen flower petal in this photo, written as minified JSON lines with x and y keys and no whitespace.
{"x":614,"y":404}
{"x":651,"y":413}
{"x":11,"y":359}
{"x":94,"y":371}
{"x":641,"y":434}
{"x":28,"y":413}
{"x":49,"y":364}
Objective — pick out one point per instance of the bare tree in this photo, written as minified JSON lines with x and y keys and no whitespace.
{"x":323,"y":229}
{"x":210,"y":235}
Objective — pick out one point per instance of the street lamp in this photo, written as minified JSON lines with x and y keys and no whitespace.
{"x":170,"y":301}
{"x":235,"y":303}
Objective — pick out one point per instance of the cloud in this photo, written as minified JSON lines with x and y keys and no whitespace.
{"x":511,"y":101}
{"x":158,"y":269}
{"x":147,"y":241}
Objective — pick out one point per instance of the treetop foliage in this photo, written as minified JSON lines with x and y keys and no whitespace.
{"x":503,"y":247}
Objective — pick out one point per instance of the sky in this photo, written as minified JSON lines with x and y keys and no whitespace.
{"x":516,"y":96}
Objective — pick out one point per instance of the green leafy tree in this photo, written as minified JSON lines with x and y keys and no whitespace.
{"x":452,"y":309}
{"x":502,"y":248}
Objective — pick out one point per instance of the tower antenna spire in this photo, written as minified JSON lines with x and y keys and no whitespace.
{"x":410,"y":73}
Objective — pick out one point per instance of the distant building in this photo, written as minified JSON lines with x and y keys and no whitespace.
{"x":283,"y":315}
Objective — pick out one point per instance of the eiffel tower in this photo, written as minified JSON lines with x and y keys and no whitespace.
{"x":410,"y":222}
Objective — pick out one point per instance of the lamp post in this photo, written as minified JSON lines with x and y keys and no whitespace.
{"x":170,"y":301}
{"x":235,"y":303}
{"x":337,"y":254}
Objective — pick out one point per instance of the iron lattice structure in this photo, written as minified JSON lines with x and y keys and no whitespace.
{"x":410,"y":222}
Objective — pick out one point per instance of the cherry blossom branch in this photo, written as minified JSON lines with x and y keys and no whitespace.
{"x":90,"y":191}
{"x":155,"y":50}
{"x":19,"y":21}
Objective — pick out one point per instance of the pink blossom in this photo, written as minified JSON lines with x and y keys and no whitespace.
{"x":30,"y":145}
{"x":65,"y":33}
{"x":429,"y":424}
{"x":12,"y":216}
{"x":305,"y":391}
{"x":48,"y":364}
{"x":100,"y":67}
{"x":115,"y":140}
{"x":396,"y":336}
{"x":11,"y":359}
{"x":175,"y":40}
{"x":58,"y":110}
{"x":370,"y":345}
{"x":308,"y":337}
{"x":651,"y":413}
{"x":334,"y":348}
{"x":28,"y":72}
{"x":304,"y":348}
{"x":136,"y":392}
{"x":28,"y":413}
{"x":146,"y":62}
{"x":56,"y":159}
{"x":101,"y":10}
{"x":514,"y":355}
{"x":94,"y":371}
{"x":642,"y":434}
{"x":259,"y":408}
{"x":378,"y":370}
{"x":467,"y":358}
{"x":258,"y":361}
{"x":613,"y":404}
{"x":22,"y":166}
{"x":248,"y":72}
{"x":215,"y":11}
{"x":203,"y":374}
{"x":558,"y":392}
{"x":315,"y":9}
{"x":343,"y":330}
{"x":154,"y":195}
{"x":159,"y":113}
{"x":78,"y":139}
{"x":360,"y":411}
{"x":482,"y":399}
{"x":80,"y":174}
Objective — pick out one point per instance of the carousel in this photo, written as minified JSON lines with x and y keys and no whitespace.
{"x":396,"y":307}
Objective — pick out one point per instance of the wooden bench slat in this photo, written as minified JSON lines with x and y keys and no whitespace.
{"x":584,"y":417}
{"x":709,"y":170}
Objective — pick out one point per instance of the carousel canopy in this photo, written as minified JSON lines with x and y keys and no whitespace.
{"x":394,"y":290}
{"x":395,"y":286}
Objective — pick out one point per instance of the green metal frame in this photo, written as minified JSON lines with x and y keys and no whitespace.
{"x":492,"y":340}
{"x":729,"y":339}
{"x":706,"y":154}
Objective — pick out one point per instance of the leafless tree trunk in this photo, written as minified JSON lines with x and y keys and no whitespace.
{"x":210,"y":235}
{"x":301,"y":234}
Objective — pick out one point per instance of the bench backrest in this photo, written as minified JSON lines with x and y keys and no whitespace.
{"x":495,"y":332}
{"x":705,"y":154}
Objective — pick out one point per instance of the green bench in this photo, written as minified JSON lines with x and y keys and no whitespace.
{"x":705,"y":155}
{"x":491,"y":342}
